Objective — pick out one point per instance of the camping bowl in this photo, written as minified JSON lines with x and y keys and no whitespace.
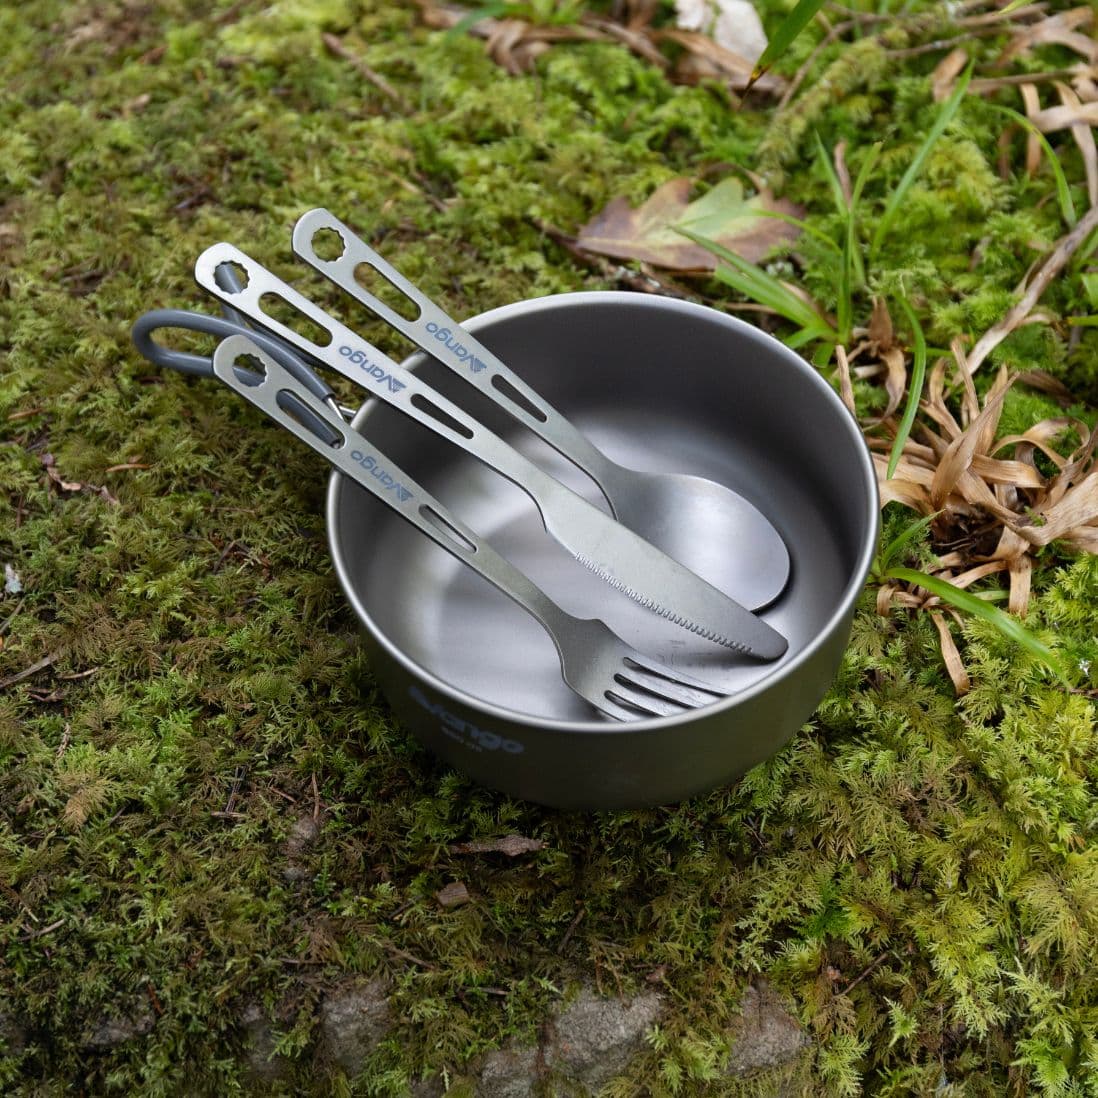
{"x":657,"y":384}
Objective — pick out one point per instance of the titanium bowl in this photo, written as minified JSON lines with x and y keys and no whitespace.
{"x":658,"y":384}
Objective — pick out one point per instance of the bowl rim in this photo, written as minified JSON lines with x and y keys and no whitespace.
{"x":529,"y":721}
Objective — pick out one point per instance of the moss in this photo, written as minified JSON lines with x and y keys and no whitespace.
{"x":917,"y":873}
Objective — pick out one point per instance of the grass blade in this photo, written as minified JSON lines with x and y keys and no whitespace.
{"x":1063,"y":192}
{"x":945,"y":116}
{"x":890,"y":552}
{"x":831,"y":176}
{"x":783,"y":37}
{"x":755,"y":283}
{"x":914,"y":389}
{"x":1008,"y":625}
{"x":472,"y":18}
{"x":852,"y":273}
{"x":804,"y":226}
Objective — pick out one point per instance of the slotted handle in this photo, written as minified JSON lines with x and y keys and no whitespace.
{"x":279,"y":395}
{"x":441,"y":336}
{"x":350,"y":355}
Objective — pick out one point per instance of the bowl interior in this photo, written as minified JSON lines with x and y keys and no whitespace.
{"x":657,"y":385}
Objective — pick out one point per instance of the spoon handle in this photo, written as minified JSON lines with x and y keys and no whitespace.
{"x":434,"y":332}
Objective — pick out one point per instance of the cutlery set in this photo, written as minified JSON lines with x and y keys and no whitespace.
{"x":272,"y":365}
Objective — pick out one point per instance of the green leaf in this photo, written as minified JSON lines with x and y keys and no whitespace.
{"x":852,"y":274}
{"x":1063,"y":192}
{"x":914,"y":389}
{"x":1007,"y":624}
{"x":762,"y":287}
{"x":783,"y":37}
{"x":470,"y":19}
{"x":945,"y":116}
{"x":831,"y":176}
{"x":904,"y":537}
{"x":1090,"y":285}
{"x":804,"y":226}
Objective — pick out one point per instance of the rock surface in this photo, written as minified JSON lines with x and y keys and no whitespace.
{"x":596,"y":1038}
{"x":110,"y":1031}
{"x":353,"y":1021}
{"x":13,"y":1037}
{"x":264,"y":1064}
{"x":303,"y":835}
{"x":766,"y":1035}
{"x":510,"y":1073}
{"x":588,"y":1043}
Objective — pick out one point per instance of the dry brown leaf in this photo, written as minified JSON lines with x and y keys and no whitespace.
{"x":1060,"y":29}
{"x":1083,"y":81}
{"x":1083,"y":134}
{"x":945,"y":74}
{"x":884,"y":599}
{"x":1021,"y":571}
{"x":979,"y":572}
{"x":846,"y":387}
{"x":708,"y":60}
{"x":1065,"y":248}
{"x":64,"y":485}
{"x":1032,"y":103}
{"x":895,"y":379}
{"x":970,"y":402}
{"x":1015,"y":473}
{"x":842,"y":172}
{"x":880,"y":324}
{"x":723,"y":215}
{"x":637,"y":37}
{"x":511,"y":845}
{"x":1066,"y":116}
{"x":976,"y":494}
{"x":1044,"y":382}
{"x":952,"y":658}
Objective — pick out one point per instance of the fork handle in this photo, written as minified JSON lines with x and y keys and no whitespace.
{"x":292,"y":406}
{"x":440,"y":336}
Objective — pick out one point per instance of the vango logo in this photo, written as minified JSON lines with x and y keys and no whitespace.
{"x":359,"y":359}
{"x":465,"y":732}
{"x":388,"y":481}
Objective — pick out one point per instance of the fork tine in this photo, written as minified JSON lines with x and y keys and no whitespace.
{"x":673,"y":685}
{"x":613,"y":709}
{"x":638,"y":703}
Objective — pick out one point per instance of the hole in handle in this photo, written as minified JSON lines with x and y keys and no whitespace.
{"x":424,"y":405}
{"x":301,"y":413}
{"x":386,"y":291}
{"x":250,"y":370}
{"x":328,"y":244}
{"x":290,"y":316}
{"x":445,"y":527}
{"x":231,"y":277}
{"x":515,"y":397}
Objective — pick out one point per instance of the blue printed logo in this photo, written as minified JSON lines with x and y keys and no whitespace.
{"x":388,"y":481}
{"x":456,"y":348}
{"x":465,"y":732}
{"x":359,"y":359}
